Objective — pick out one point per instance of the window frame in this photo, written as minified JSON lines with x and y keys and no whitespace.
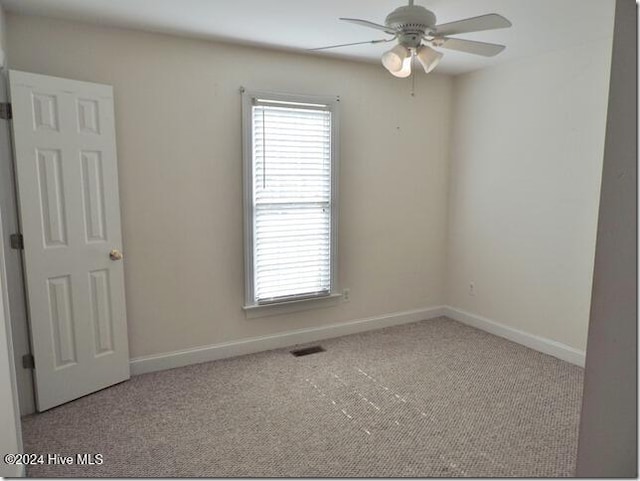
{"x":331,"y":103}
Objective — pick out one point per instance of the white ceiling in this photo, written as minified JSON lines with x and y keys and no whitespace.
{"x":538,"y":25}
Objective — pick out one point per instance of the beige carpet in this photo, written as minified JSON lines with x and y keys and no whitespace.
{"x":434,"y":398}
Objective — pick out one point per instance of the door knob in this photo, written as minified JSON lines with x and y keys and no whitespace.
{"x":115,"y":255}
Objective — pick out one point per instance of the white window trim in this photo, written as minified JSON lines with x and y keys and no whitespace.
{"x":253,"y":309}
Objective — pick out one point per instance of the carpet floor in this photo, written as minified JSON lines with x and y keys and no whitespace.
{"x":430,"y":399}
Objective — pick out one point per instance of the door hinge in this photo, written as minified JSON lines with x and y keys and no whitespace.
{"x":17,"y":241}
{"x":6,"y":112}
{"x":28,"y":362}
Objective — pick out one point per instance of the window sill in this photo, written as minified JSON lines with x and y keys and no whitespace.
{"x":287,"y":307}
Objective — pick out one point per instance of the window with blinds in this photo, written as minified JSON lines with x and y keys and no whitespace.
{"x":291,"y":191}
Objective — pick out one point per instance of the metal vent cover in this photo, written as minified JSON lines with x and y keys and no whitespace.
{"x":305,"y":351}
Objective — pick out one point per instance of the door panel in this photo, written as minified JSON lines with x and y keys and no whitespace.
{"x":67,"y":177}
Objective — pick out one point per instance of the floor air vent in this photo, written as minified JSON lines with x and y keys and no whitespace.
{"x":307,"y":350}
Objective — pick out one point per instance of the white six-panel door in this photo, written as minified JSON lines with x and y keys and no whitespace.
{"x":67,"y":177}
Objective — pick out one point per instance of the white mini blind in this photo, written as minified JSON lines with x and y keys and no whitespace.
{"x":291,"y":201}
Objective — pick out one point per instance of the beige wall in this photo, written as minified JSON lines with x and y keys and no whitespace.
{"x":178,"y":130}
{"x":526,"y":164}
{"x":519,"y":222}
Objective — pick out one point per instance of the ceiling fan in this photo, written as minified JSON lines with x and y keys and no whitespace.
{"x":415,"y":29}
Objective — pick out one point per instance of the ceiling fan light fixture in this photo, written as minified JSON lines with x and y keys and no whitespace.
{"x":413,"y":25}
{"x":428,"y":58}
{"x":394,"y":59}
{"x":405,"y":71}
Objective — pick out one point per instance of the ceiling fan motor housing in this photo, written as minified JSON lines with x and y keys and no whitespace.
{"x":411,"y":22}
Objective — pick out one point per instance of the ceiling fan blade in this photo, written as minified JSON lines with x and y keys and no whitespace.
{"x":471,"y":46}
{"x":366,"y":23}
{"x":491,"y":21}
{"x":349,"y":44}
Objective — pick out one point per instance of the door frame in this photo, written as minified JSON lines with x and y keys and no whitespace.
{"x":14,"y":261}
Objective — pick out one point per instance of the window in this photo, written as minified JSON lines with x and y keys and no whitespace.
{"x":290,"y":183}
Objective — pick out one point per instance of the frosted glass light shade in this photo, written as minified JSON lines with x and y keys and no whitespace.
{"x":405,"y":71}
{"x":393,"y":60}
{"x":428,"y":58}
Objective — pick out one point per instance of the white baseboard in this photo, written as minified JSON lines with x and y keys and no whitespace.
{"x":170,"y":360}
{"x":546,"y":346}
